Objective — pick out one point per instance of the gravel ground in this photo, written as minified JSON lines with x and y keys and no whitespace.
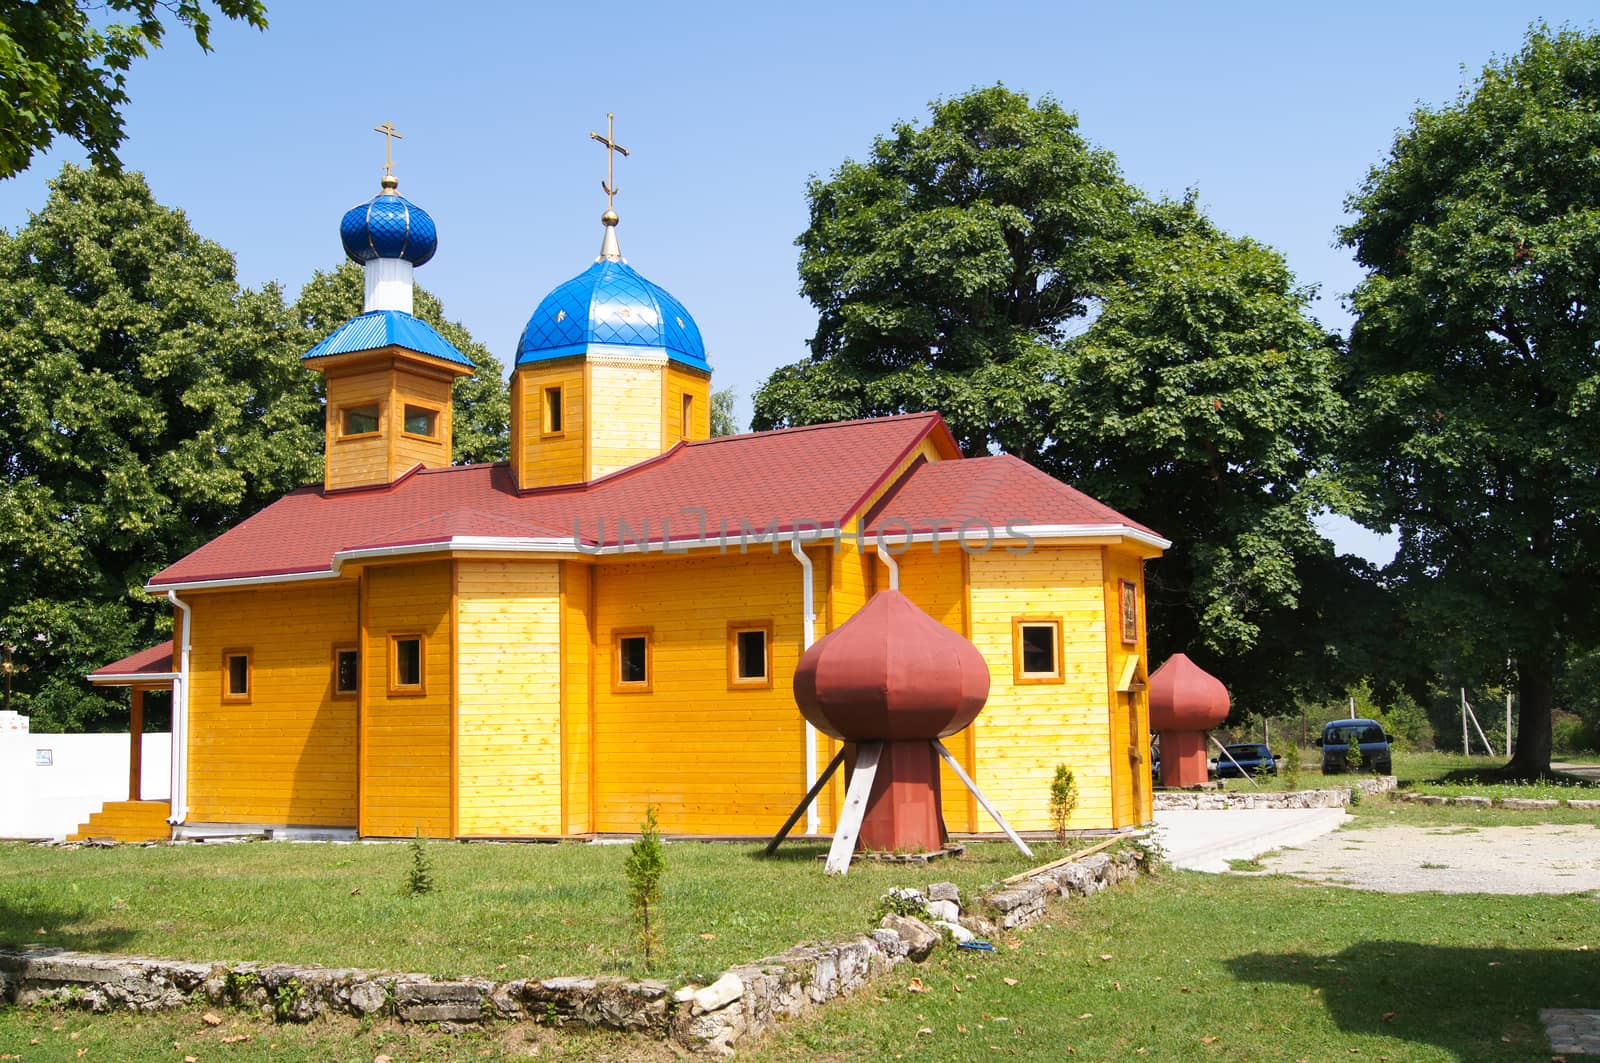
{"x":1400,"y":859}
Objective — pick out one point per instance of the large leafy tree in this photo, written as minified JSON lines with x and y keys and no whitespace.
{"x":146,"y":403}
{"x":482,"y":406}
{"x":994,"y":265}
{"x":1475,"y":363}
{"x":65,"y":73}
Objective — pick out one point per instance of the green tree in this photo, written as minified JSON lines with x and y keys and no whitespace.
{"x":66,"y":76}
{"x":724,"y":422}
{"x":146,"y":404}
{"x":644,"y":868}
{"x":1475,"y":360}
{"x":482,"y":407}
{"x":994,"y":265}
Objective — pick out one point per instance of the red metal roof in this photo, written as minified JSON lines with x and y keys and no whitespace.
{"x":153,"y":662}
{"x":987,"y":492}
{"x":750,"y":485}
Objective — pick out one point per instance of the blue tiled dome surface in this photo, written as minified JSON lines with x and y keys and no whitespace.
{"x":611,"y":304}
{"x":386,"y":328}
{"x":389,"y":226}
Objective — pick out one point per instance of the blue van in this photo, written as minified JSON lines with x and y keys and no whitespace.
{"x":1335,"y":741}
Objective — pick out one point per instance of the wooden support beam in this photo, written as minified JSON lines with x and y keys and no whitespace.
{"x":805,"y":803}
{"x":994,"y":813}
{"x":855,"y":807}
{"x":136,"y":745}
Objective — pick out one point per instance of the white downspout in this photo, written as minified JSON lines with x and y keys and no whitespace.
{"x":180,"y":721}
{"x":808,"y":618}
{"x":891,"y":564}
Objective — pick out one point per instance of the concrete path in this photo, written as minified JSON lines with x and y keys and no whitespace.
{"x":1207,"y":840}
{"x":1583,"y":771}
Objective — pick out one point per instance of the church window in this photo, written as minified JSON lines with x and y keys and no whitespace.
{"x":1036,"y":649}
{"x":406,"y":664}
{"x":421,"y":421}
{"x":236,"y":675}
{"x":632,"y":673}
{"x":686,"y":426}
{"x":358,"y":420}
{"x":346,"y":671}
{"x":553,"y":413}
{"x":750,"y":655}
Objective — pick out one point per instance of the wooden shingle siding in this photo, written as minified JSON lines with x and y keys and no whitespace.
{"x":509,"y":697}
{"x":1027,"y":730}
{"x":408,"y":783}
{"x":714,"y":760}
{"x":288,"y":757}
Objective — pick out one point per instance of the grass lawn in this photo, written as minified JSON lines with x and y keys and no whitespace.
{"x":1453,"y":775}
{"x":1182,"y":966}
{"x":504,"y":911}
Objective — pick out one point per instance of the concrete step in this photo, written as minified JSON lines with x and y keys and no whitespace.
{"x":1207,"y":840}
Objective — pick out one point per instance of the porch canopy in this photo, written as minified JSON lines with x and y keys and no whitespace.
{"x":149,"y":669}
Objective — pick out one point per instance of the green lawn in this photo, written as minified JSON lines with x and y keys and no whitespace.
{"x":506,"y":911}
{"x":1183,"y":966}
{"x":1453,"y":775}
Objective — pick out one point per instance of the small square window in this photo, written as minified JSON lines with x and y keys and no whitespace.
{"x":1036,"y":646}
{"x":553,"y":419}
{"x":236,"y":675}
{"x":406,"y":664}
{"x":359,"y":420}
{"x":346,"y":671}
{"x":632,"y":673}
{"x":750,"y":654}
{"x":421,"y":421}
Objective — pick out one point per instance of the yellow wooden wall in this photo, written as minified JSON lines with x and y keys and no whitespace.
{"x":1027,"y":729}
{"x":406,"y":739}
{"x":576,"y":707}
{"x":289,"y":756}
{"x":678,"y":382}
{"x":713,"y":760}
{"x":538,"y":460}
{"x":1130,"y":712}
{"x":626,"y":426}
{"x":379,"y":459}
{"x":935,"y":582}
{"x":508,"y":717}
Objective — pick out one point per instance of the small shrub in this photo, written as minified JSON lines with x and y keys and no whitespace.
{"x":419,"y":879}
{"x":645,"y":866}
{"x":1063,"y":799}
{"x":1291,"y":766}
{"x":289,"y":995}
{"x":1352,"y":750}
{"x":900,"y":901}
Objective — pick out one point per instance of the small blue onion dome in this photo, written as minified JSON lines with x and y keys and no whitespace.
{"x":389,"y":226}
{"x":611,"y":304}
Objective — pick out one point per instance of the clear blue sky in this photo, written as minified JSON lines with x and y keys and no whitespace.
{"x":1272,"y":111}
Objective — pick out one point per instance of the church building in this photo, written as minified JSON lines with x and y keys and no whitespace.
{"x":541,"y":648}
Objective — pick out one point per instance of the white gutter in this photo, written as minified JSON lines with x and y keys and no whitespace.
{"x":890,"y":563}
{"x":180,"y":721}
{"x":1023,"y":532}
{"x":129,"y":678}
{"x":808,"y":619}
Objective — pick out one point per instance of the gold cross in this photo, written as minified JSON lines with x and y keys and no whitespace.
{"x":389,"y":137}
{"x":609,"y":185}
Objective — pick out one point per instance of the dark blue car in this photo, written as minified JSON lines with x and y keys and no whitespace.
{"x":1249,"y":758}
{"x":1335,"y":743}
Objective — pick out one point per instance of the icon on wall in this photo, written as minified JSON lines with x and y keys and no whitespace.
{"x":44,"y":758}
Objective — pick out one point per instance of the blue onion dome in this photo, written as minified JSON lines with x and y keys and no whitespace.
{"x":611,"y":304}
{"x":389,"y":226}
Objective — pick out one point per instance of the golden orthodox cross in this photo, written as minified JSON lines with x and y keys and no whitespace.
{"x":390,"y":135}
{"x":609,"y":185}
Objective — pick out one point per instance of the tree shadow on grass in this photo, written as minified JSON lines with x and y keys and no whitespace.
{"x":1476,"y":1003}
{"x":57,"y":923}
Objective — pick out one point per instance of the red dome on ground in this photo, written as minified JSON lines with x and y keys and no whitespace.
{"x":1185,"y":697}
{"x":891,"y":672}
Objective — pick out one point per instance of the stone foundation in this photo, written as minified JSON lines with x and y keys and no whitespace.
{"x":1337,"y":797}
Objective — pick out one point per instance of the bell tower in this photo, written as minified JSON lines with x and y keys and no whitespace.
{"x":389,"y":374}
{"x":610,"y":371}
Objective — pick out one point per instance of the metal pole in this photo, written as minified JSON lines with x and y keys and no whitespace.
{"x":1508,"y":707}
{"x":1465,"y":750}
{"x":1352,"y":706}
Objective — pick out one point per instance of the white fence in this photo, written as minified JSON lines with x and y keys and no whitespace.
{"x":50,"y":783}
